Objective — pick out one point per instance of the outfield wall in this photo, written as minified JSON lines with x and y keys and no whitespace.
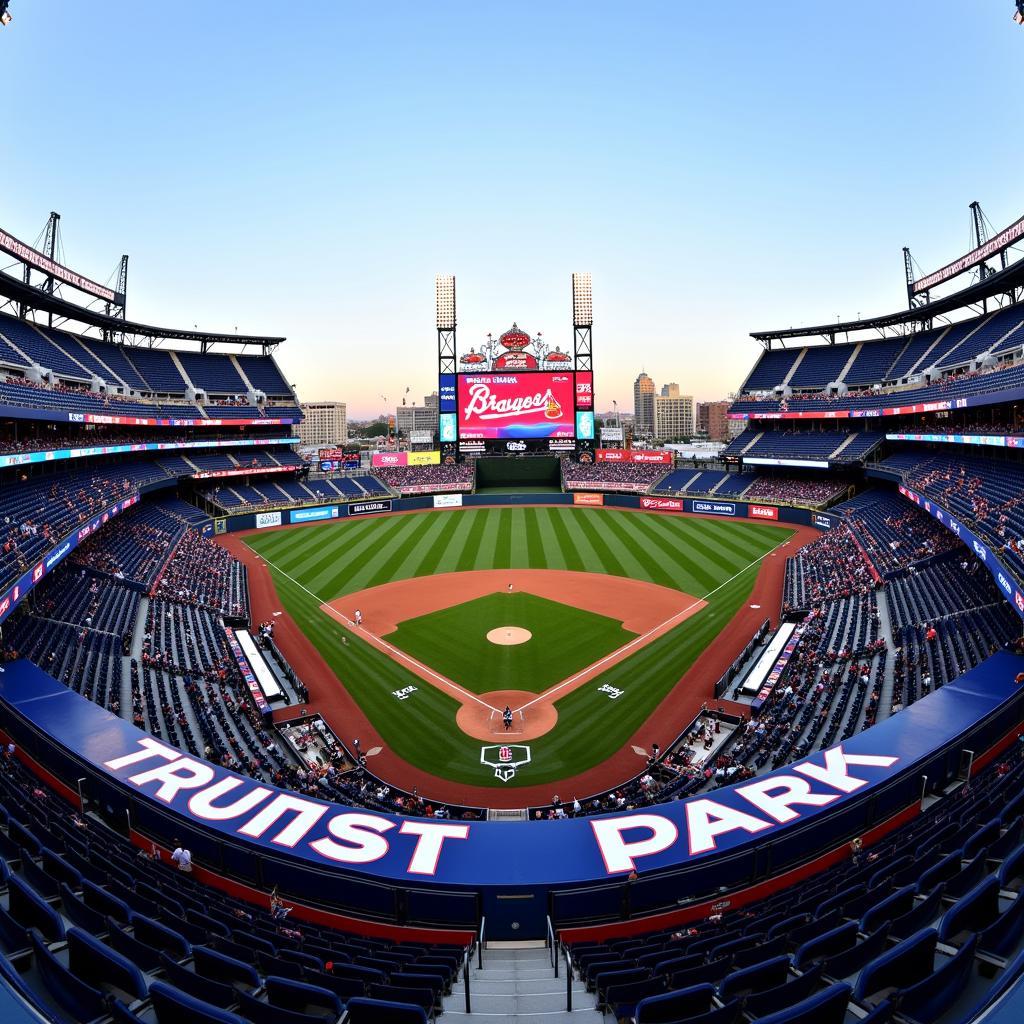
{"x":763,"y":512}
{"x":419,"y":872}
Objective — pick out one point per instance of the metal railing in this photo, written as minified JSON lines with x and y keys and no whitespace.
{"x":481,"y":938}
{"x":568,"y":978}
{"x":550,"y":943}
{"x":465,"y":977}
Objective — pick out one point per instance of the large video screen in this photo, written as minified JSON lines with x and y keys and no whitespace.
{"x":516,"y":406}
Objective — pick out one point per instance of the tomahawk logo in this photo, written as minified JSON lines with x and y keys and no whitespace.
{"x":505,"y":759}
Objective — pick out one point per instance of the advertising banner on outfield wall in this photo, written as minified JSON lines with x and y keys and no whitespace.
{"x":713,"y":508}
{"x":638,"y":455}
{"x":762,"y":512}
{"x":312,"y":515}
{"x":611,"y":434}
{"x":822,"y":521}
{"x":1004,"y":578}
{"x":662,"y":504}
{"x":259,"y":819}
{"x":447,"y":501}
{"x":585,"y":498}
{"x":366,"y":508}
{"x":265,"y":519}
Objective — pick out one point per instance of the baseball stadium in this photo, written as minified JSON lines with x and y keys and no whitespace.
{"x":518,"y":718}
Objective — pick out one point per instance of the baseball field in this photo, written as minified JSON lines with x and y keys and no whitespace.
{"x":578,"y":621}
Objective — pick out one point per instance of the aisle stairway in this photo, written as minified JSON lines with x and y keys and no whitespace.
{"x":517,"y":985}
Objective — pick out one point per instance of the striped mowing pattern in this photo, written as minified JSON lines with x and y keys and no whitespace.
{"x":716,"y":560}
{"x":692,"y":555}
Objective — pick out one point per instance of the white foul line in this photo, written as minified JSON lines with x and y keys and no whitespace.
{"x":640,"y":639}
{"x":394,"y":651}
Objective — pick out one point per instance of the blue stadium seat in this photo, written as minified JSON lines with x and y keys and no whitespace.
{"x":1002,"y":937}
{"x":673,"y":1006}
{"x":31,"y":911}
{"x":105,"y":968}
{"x":826,"y":1007}
{"x":1011,"y":871}
{"x":896,"y":904}
{"x":971,"y":913}
{"x":173,"y":1006}
{"x":297,"y":997}
{"x":769,"y":974}
{"x":216,"y":965}
{"x":929,"y":998}
{"x":829,"y":943}
{"x":81,"y":1000}
{"x":209,"y":991}
{"x":846,"y":964}
{"x":373,"y":1011}
{"x":921,"y":916}
{"x":256,"y":1011}
{"x":793,"y":991}
{"x":907,"y":963}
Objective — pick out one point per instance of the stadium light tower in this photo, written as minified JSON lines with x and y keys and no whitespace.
{"x":5,"y":15}
{"x":444,"y":285}
{"x":582,"y":320}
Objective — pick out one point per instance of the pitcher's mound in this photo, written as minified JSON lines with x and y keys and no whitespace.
{"x":509,"y":636}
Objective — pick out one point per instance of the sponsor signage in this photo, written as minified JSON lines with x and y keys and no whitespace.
{"x":995,"y":245}
{"x":662,"y":504}
{"x":798,"y":463}
{"x":31,"y":458}
{"x":448,"y":427}
{"x":13,"y":595}
{"x":262,"y":819}
{"x":247,"y":674}
{"x":380,"y":459}
{"x":166,"y":421}
{"x":421,"y":436}
{"x":472,"y":446}
{"x":266,"y":519}
{"x":585,"y":426}
{"x":714,"y":508}
{"x":779,"y":667}
{"x":368,"y":508}
{"x":43,"y":263}
{"x":611,"y":434}
{"x":586,"y":498}
{"x":312,"y":515}
{"x":638,"y":455}
{"x":988,"y":440}
{"x":447,"y":396}
{"x":822,"y":522}
{"x":999,"y":572}
{"x":515,"y":446}
{"x":516,"y":406}
{"x":207,"y":474}
{"x":447,"y":501}
{"x":561,"y":444}
{"x":584,"y":390}
{"x":762,"y":512}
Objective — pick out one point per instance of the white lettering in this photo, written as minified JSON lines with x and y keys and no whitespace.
{"x":151,"y":748}
{"x":361,"y":834}
{"x":706,"y":819}
{"x":834,"y":773}
{"x":428,"y":847}
{"x":777,"y":805}
{"x":618,"y":853}
{"x":307,"y":814}
{"x":201,"y":804}
{"x":184,"y":773}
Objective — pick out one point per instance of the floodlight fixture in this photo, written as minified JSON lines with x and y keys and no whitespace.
{"x":445,"y":289}
{"x":582,"y":301}
{"x":5,"y":14}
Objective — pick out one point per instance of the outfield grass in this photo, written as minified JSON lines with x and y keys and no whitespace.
{"x":454,"y":642}
{"x":710,"y":559}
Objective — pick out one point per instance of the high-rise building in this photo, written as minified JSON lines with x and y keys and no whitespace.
{"x":669,"y":390}
{"x":324,"y":424}
{"x":643,"y":404}
{"x":431,"y":400}
{"x":673,"y":417}
{"x":410,"y":418}
{"x":713,"y":420}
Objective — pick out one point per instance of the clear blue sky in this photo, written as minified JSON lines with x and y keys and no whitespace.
{"x":305,"y":168}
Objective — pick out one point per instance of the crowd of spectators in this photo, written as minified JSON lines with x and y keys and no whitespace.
{"x":834,"y":566}
{"x":793,"y":491}
{"x":425,"y":479}
{"x":610,"y":476}
{"x":202,"y":573}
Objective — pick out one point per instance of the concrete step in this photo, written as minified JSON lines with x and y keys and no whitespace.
{"x":520,"y":956}
{"x":510,"y":986}
{"x":512,"y":973}
{"x":536,"y":1002}
{"x":581,"y":1016}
